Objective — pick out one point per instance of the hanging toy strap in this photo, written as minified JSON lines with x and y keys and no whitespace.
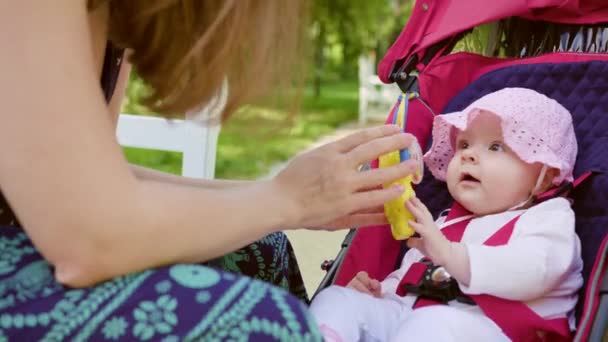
{"x":400,"y":119}
{"x":395,"y":211}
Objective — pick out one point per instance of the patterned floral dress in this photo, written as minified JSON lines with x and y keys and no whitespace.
{"x":184,"y":302}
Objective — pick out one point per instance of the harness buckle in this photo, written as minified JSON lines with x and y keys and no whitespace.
{"x":438,"y":285}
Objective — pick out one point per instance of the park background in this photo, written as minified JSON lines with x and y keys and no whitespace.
{"x":343,"y":36}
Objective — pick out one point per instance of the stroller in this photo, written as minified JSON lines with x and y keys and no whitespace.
{"x":558,"y":48}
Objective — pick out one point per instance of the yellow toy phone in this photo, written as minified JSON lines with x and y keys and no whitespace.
{"x":395,"y":211}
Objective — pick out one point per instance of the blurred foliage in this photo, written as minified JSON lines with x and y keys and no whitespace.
{"x":341,"y":30}
{"x":135,"y":91}
{"x":475,"y":41}
{"x":259,"y":136}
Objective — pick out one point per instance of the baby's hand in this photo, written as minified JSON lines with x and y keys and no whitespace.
{"x":432,"y":243}
{"x":363,"y":283}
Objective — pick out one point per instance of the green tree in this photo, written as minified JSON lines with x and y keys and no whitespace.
{"x":341,"y":30}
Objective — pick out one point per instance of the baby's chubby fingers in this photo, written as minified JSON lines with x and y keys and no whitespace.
{"x":363,"y":283}
{"x":419,"y":228}
{"x":372,"y":284}
{"x":359,"y":286}
{"x":412,"y":206}
{"x":363,"y":277}
{"x":419,"y":210}
{"x":375,"y":287}
{"x":423,"y":209}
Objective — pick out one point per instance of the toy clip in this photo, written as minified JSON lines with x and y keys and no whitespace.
{"x":395,"y":211}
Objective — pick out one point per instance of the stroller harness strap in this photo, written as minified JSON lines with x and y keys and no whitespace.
{"x":516,"y":319}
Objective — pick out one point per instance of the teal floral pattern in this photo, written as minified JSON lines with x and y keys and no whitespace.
{"x":270,"y":259}
{"x":163,"y":286}
{"x":194,"y":276}
{"x":203,"y":297}
{"x":155,"y":317}
{"x":12,"y":252}
{"x":176,"y":303}
{"x":115,"y":328}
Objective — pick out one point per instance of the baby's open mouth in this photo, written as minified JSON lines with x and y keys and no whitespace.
{"x":467,"y":177}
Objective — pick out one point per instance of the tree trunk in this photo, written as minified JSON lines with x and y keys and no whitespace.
{"x":319,"y":59}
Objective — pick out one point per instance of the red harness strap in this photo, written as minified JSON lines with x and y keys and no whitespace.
{"x":516,"y":319}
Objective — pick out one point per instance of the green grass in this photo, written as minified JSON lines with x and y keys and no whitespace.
{"x":256,"y":137}
{"x":160,"y":160}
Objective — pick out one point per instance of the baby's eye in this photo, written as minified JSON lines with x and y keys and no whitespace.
{"x":496,"y":147}
{"x":462,"y":144}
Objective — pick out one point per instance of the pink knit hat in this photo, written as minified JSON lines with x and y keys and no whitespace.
{"x":535,"y":127}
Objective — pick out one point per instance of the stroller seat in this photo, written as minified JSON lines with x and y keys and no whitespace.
{"x":449,"y":82}
{"x":581,"y":88}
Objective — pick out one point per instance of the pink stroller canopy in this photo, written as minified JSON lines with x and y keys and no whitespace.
{"x":435,"y":20}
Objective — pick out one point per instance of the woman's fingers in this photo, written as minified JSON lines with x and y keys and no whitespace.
{"x":324,"y":186}
{"x":372,"y":149}
{"x":371,"y":179}
{"x":374,"y":198}
{"x":347,"y":143}
{"x":372,"y":210}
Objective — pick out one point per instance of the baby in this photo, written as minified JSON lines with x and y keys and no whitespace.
{"x":513,"y":260}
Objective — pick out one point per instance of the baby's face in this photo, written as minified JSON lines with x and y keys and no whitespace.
{"x":485,"y":176}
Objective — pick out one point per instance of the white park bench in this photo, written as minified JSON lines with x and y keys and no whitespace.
{"x":196,"y":141}
{"x":193,"y":137}
{"x":375,"y":98}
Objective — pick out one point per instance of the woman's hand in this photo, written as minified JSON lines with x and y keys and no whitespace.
{"x":323,"y":188}
{"x":364,"y":284}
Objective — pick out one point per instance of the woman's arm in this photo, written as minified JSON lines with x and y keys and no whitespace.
{"x":144,"y":173}
{"x":65,"y":175}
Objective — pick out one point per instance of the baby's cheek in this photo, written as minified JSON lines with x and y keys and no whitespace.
{"x":451,"y":174}
{"x":451,"y":186}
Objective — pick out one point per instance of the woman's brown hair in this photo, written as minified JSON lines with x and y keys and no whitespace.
{"x":184,"y":49}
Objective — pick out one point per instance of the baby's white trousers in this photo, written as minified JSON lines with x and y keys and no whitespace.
{"x":345,"y":315}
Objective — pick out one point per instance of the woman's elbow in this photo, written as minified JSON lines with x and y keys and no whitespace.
{"x":83,"y":268}
{"x":73,"y":275}
{"x":82,"y":260}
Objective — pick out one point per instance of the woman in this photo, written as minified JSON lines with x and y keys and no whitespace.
{"x":102,"y":250}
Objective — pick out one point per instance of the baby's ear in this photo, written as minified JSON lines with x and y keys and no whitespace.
{"x":548,"y":181}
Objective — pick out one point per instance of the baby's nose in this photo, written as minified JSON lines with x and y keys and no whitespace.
{"x":469,"y":156}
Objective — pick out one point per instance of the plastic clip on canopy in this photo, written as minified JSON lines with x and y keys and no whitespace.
{"x":395,"y":211}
